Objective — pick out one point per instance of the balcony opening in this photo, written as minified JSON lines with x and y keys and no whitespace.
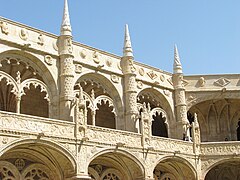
{"x":158,"y":126}
{"x":7,"y":98}
{"x":34,"y":102}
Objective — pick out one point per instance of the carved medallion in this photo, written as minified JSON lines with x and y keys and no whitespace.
{"x":115,"y":78}
{"x":48,"y":59}
{"x":166,"y":92}
{"x":141,"y":71}
{"x":23,"y":34}
{"x":40,"y":40}
{"x":20,"y":164}
{"x":109,"y":62}
{"x":201,"y":81}
{"x":83,"y":53}
{"x":162,"y":77}
{"x":139,"y":85}
{"x":96,"y":57}
{"x":4,"y":27}
{"x":222,"y":82}
{"x":78,"y":68}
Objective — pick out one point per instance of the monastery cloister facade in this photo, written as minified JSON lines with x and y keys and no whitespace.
{"x":72,"y":112}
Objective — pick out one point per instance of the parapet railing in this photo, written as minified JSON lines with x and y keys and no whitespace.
{"x":220,"y":148}
{"x":26,"y":124}
{"x":21,"y":124}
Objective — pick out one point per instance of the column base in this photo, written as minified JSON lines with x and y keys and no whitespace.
{"x":80,"y":177}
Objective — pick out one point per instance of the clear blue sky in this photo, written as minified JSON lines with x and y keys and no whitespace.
{"x":207,"y":32}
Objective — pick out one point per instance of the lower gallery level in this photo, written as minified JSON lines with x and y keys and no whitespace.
{"x":46,"y":149}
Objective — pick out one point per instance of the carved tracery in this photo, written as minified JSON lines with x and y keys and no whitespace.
{"x":100,"y":106}
{"x":17,"y":77}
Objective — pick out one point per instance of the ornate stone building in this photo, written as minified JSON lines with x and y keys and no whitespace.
{"x":73,"y":112}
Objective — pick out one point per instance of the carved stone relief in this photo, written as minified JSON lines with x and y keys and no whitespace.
{"x":162,"y":78}
{"x":40,"y":40}
{"x":23,"y":34}
{"x":55,"y":46}
{"x":141,"y":71}
{"x":222,"y":82}
{"x":152,"y":75}
{"x":83,"y":53}
{"x":139,"y":84}
{"x":109,"y":62}
{"x":115,"y":78}
{"x":201,"y":82}
{"x":96,"y":57}
{"x":78,"y":68}
{"x":48,"y":59}
{"x":4,"y":27}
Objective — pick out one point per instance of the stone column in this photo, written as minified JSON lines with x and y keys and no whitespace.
{"x":66,"y":66}
{"x":129,"y":79}
{"x":180,"y":99}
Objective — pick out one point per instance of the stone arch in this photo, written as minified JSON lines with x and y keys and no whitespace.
{"x":196,"y":98}
{"x":122,"y":162}
{"x":8,"y":170}
{"x":106,"y":97}
{"x":226,"y":169}
{"x":38,"y":64}
{"x":217,"y":118}
{"x":38,"y":153}
{"x":159,"y":101}
{"x":19,"y":59}
{"x":175,"y":167}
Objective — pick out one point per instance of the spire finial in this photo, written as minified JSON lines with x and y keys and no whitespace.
{"x":127,"y":49}
{"x":177,"y":67}
{"x":66,"y":25}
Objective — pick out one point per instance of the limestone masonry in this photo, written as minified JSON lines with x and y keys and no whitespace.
{"x":73,"y":112}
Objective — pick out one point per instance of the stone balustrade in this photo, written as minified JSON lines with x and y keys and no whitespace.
{"x":25,"y":124}
{"x":32,"y":125}
{"x":220,"y":148}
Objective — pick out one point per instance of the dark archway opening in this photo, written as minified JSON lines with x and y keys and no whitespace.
{"x":159,"y":126}
{"x":105,"y":117}
{"x":34,"y":102}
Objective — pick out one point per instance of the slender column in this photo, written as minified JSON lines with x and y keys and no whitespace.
{"x":18,"y":103}
{"x":93,"y":113}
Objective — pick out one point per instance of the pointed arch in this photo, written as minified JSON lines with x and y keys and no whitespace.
{"x":157,"y":100}
{"x":105,"y":98}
